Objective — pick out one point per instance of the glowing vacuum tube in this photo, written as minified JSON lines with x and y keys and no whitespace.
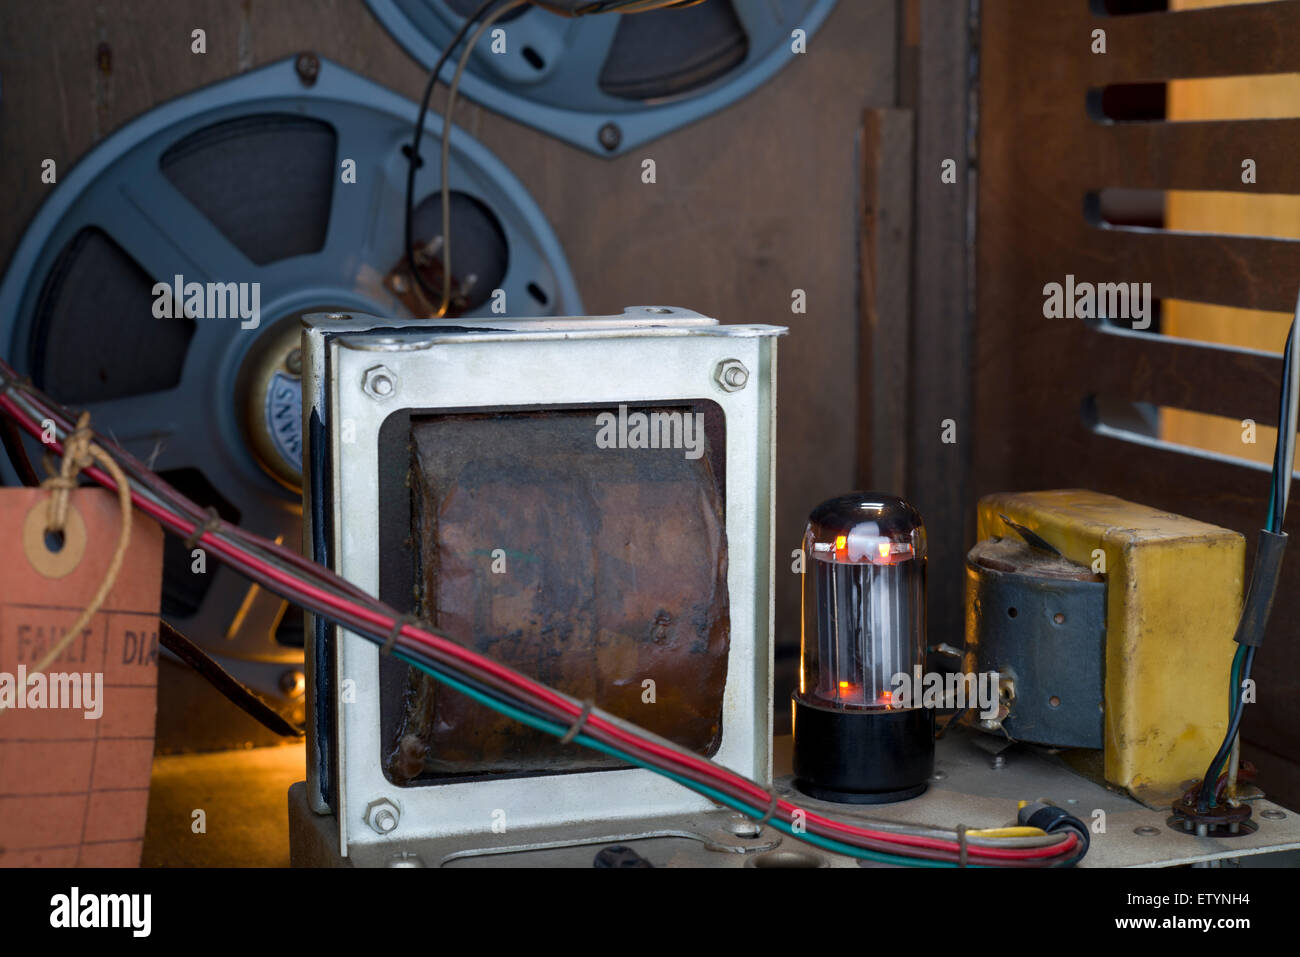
{"x":856,"y":738}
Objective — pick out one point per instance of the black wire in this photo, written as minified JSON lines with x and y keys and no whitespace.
{"x":234,"y":690}
{"x":1282,"y":470}
{"x":1286,"y":427}
{"x":434,"y":295}
{"x":1209,"y":782}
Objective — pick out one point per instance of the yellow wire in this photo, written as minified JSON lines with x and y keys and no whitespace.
{"x":1008,"y":832}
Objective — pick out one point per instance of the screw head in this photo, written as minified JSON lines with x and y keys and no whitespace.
{"x":998,"y":762}
{"x":307,"y":67}
{"x":610,"y":136}
{"x":731,"y":375}
{"x":1273,"y":814}
{"x":1146,"y":830}
{"x":379,"y":382}
{"x":293,"y":362}
{"x":382,"y":815}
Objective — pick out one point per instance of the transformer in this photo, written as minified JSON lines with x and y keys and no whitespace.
{"x":588,"y":500}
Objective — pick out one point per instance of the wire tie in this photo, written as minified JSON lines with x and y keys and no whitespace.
{"x":771,"y":809}
{"x":961,"y":845}
{"x":576,"y":729}
{"x":398,"y":624}
{"x":209,"y":525}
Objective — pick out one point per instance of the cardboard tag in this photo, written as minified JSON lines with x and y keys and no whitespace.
{"x":76,"y":743}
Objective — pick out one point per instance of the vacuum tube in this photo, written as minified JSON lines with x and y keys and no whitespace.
{"x":860,"y":736}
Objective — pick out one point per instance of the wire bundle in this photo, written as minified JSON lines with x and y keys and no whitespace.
{"x":1213,"y":783}
{"x":319,"y":590}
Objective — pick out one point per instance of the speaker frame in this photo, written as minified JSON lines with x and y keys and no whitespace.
{"x":123,"y":170}
{"x":423,"y":27}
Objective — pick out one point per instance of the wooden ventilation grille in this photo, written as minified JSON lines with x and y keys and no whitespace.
{"x":1068,"y":139}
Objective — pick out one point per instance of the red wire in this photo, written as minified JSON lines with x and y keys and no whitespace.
{"x":383,"y":624}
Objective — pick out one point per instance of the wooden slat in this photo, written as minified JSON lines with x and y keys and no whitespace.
{"x":1220,"y":41}
{"x":1243,"y":271}
{"x":1205,"y":155}
{"x":938,"y":473}
{"x":885,"y":249}
{"x":1183,"y":375}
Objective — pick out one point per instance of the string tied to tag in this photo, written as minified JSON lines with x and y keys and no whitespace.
{"x":79,"y":453}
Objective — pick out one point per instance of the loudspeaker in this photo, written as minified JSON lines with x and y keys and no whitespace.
{"x":610,"y":82}
{"x":161,"y":285}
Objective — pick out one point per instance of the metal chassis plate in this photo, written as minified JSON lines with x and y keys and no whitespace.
{"x":966,"y":790}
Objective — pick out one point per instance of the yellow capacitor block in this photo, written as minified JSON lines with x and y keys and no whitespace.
{"x":1173,"y":597}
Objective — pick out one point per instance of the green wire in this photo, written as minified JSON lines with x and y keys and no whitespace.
{"x":1235,"y":690}
{"x":714,"y":795}
{"x":1234,"y":694}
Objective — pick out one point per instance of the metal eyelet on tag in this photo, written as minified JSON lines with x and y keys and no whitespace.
{"x":53,"y":564}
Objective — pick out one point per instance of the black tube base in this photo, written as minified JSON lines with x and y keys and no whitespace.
{"x":862,"y":757}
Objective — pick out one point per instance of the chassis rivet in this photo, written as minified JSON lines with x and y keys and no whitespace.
{"x":405,"y":859}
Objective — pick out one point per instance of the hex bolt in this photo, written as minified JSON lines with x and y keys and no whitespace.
{"x":379,"y":382}
{"x":382,"y":815}
{"x":731,"y":375}
{"x":307,"y":67}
